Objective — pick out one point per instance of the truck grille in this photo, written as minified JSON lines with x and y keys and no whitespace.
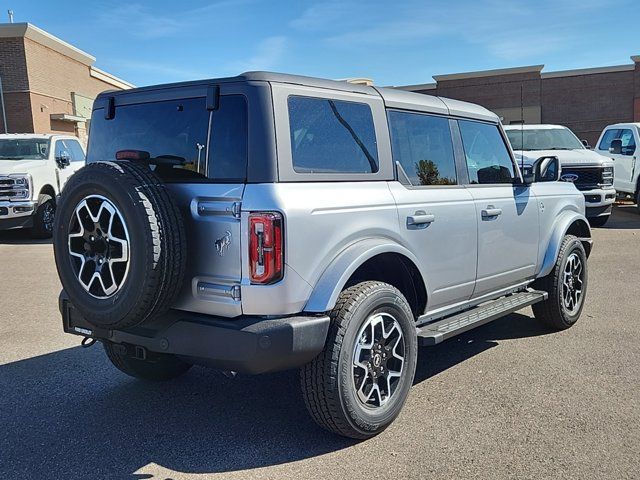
{"x":589,"y":177}
{"x":9,"y":189}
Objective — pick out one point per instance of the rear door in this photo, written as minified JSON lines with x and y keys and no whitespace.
{"x":201,"y":153}
{"x":506,"y":213}
{"x":436,"y":212}
{"x":625,"y":161}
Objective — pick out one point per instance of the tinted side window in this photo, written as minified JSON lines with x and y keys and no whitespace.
{"x":61,"y":149}
{"x":422,"y":144}
{"x":75,"y":150}
{"x":608,"y":137}
{"x":628,"y":141}
{"x":331,"y":136}
{"x":488,"y":158}
{"x":173,"y":133}
{"x":229,"y":140}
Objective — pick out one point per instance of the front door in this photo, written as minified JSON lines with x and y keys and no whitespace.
{"x":506,"y":213}
{"x":436,"y":213}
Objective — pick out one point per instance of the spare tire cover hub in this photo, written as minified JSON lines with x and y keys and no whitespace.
{"x":99,"y":246}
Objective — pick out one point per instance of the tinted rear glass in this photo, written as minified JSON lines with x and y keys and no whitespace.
{"x":174,"y":134}
{"x":332,"y":136}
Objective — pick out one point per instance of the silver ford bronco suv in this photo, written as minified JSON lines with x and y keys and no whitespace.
{"x":267,"y":222}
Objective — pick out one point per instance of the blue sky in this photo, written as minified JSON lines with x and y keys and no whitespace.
{"x":393,"y":42}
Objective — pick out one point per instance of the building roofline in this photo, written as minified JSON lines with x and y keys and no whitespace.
{"x":110,"y":79}
{"x":588,"y":71}
{"x":489,"y":73}
{"x":27,"y":30}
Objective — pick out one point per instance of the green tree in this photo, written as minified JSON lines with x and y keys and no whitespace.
{"x":428,"y":173}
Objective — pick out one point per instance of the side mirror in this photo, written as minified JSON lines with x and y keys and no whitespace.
{"x":528,"y":176}
{"x":616,"y":147}
{"x":546,"y":169}
{"x":63,"y":160}
{"x":586,"y":144}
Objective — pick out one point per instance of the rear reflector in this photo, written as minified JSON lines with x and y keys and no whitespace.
{"x":265,"y":247}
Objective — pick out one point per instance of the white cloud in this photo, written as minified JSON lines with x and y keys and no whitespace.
{"x":268,"y":55}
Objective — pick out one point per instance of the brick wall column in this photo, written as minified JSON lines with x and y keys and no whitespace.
{"x":636,"y":89}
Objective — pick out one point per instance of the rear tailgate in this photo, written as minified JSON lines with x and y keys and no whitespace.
{"x":211,"y":214}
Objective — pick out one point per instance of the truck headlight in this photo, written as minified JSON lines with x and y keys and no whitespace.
{"x":607,"y":176}
{"x":22,"y":187}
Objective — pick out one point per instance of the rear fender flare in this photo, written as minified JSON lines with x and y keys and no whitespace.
{"x":332,"y":281}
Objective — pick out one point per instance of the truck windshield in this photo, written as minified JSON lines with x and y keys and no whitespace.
{"x":24,"y":148}
{"x":544,"y":139}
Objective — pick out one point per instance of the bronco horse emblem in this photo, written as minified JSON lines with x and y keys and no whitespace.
{"x":222,"y":244}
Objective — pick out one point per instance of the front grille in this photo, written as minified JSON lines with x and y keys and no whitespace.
{"x":588,"y":177}
{"x":4,"y":211}
{"x":9,"y":189}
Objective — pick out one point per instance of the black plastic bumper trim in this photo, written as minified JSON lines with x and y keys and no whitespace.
{"x":245,"y":344}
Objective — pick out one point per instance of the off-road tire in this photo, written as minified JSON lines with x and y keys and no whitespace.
{"x":157,"y":251}
{"x":326,"y":381}
{"x":158,"y":366}
{"x":552,"y":312}
{"x":599,"y":221}
{"x":43,"y":227}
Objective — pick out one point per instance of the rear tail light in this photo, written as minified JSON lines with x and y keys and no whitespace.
{"x":265,"y":247}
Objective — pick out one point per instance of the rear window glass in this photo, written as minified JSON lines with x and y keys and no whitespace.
{"x":174,"y":134}
{"x":332,"y":136}
{"x":423,"y":146}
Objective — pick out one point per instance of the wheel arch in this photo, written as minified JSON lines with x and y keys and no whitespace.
{"x":371,"y":259}
{"x":48,"y":190}
{"x":569,"y":223}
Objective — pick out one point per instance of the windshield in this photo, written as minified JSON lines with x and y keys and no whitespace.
{"x":544,"y":139}
{"x":24,"y":148}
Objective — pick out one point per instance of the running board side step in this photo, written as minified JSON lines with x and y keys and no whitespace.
{"x":436,"y":332}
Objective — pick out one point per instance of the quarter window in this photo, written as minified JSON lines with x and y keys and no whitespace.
{"x":488,"y":159}
{"x":422,"y":145}
{"x":331,"y":136}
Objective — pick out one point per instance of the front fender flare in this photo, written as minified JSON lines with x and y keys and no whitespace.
{"x":560,"y":228}
{"x":333,"y":279}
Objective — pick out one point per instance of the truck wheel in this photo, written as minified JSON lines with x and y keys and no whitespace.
{"x":159,"y":366}
{"x":599,"y":221}
{"x":566,"y":286}
{"x":357,"y":386}
{"x":119,"y":244}
{"x":44,"y":216}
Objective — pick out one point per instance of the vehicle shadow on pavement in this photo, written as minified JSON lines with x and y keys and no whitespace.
{"x":70,"y":414}
{"x":20,"y":237}
{"x":624,"y":217}
{"x":433,"y":360}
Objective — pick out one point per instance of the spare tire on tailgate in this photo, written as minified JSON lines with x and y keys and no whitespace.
{"x":119,"y":244}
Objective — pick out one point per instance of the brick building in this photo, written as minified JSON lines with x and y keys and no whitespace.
{"x":584,"y":100}
{"x":48,"y":85}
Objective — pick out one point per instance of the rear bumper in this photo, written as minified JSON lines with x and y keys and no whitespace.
{"x":246,"y":344}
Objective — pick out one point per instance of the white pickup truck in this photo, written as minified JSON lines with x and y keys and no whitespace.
{"x":33,"y":170}
{"x":619,"y":142}
{"x":589,"y":171}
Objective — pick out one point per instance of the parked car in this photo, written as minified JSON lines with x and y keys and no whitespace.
{"x":267,"y":221}
{"x":33,"y":170}
{"x":589,"y":171}
{"x":619,"y":142}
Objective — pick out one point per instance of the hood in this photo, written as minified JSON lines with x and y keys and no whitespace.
{"x":8,"y":167}
{"x":580,"y":158}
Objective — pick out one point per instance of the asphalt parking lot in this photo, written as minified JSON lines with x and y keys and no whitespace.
{"x":508,"y":400}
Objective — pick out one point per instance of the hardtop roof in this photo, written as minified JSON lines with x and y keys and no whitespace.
{"x":393,"y":98}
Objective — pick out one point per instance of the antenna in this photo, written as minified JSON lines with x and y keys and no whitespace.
{"x":521,"y":128}
{"x":10,"y":12}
